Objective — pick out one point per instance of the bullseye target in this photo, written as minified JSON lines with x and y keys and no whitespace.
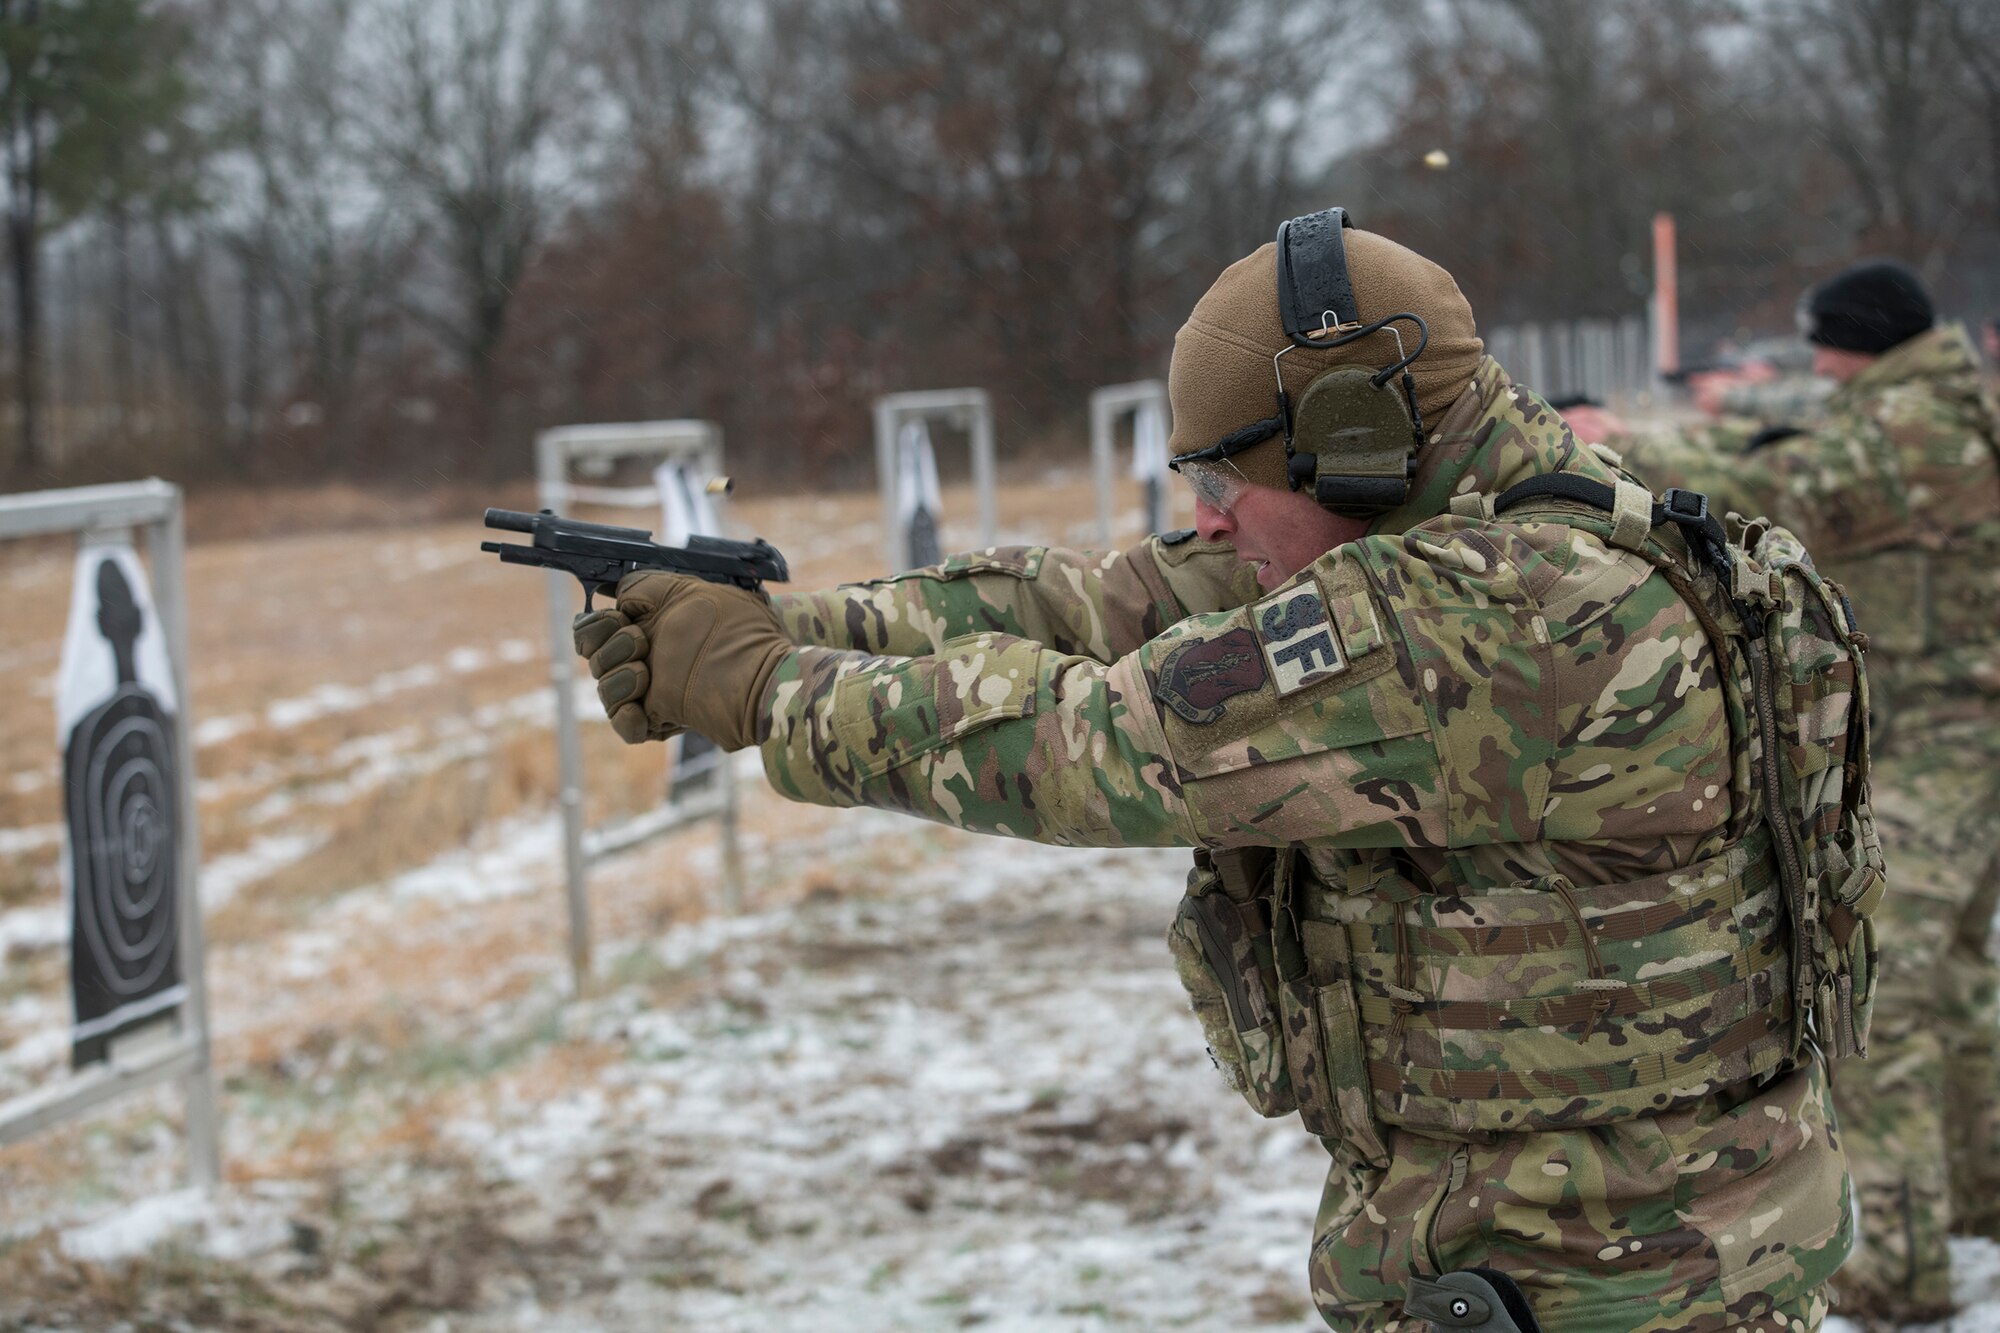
{"x":124,"y":904}
{"x":123,"y":807}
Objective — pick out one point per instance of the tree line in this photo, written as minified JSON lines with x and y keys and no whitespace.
{"x":297,"y":239}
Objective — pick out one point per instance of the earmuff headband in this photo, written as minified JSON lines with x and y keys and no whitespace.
{"x":1314,"y":291}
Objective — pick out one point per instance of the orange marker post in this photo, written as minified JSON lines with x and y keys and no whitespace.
{"x":1666,"y":299}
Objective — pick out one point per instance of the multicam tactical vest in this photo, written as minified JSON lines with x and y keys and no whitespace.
{"x":1389,"y":1000}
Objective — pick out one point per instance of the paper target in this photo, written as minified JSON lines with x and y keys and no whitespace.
{"x":122,"y":801}
{"x":918,"y":496}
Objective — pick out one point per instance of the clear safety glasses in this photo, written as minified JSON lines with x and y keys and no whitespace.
{"x":1216,"y":482}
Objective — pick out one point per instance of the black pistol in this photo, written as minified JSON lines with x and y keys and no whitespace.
{"x":599,"y":555}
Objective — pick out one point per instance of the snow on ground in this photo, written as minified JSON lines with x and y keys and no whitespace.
{"x":327,"y":699}
{"x":957,"y":1086}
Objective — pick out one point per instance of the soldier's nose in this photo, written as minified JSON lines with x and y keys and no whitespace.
{"x":1211,"y":524}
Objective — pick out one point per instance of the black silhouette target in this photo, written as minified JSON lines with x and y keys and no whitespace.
{"x":120,"y":784}
{"x":923,"y":537}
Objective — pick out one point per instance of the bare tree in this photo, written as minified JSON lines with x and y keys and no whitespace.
{"x":471,"y":103}
{"x":1975,"y":35}
{"x":26,"y":129}
{"x":319,"y":232}
{"x":1016,"y":189}
{"x":1879,"y":77}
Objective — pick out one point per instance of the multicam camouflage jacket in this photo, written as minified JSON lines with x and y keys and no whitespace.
{"x":1896,"y":491}
{"x":1479,"y":734}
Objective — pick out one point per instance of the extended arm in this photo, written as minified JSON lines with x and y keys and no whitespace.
{"x":1184,"y":741}
{"x":1092,"y":604}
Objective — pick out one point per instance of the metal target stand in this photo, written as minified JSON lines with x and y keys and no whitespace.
{"x":969,"y":410}
{"x":169,"y":1050}
{"x":598,"y":448}
{"x":1106,"y":406}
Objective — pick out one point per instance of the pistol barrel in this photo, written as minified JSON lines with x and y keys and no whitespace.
{"x":510,"y":520}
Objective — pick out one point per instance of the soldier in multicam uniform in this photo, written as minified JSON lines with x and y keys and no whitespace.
{"x":1528,"y":954}
{"x":1897,"y":493}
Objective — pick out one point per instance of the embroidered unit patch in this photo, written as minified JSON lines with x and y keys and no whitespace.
{"x":1297,"y":639}
{"x":1198,"y":675}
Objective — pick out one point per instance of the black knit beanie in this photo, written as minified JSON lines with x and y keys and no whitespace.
{"x":1868,"y":308}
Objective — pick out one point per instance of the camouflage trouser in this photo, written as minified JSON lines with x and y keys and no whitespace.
{"x":1921,"y":1116}
{"x":1732,"y":1213}
{"x":1751,"y":1314}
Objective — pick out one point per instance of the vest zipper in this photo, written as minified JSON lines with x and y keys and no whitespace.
{"x":1222,"y":964}
{"x":1805,"y":918}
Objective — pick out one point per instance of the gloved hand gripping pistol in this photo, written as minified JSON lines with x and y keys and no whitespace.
{"x":599,"y":555}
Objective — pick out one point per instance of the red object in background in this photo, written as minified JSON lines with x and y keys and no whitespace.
{"x":1666,"y":299}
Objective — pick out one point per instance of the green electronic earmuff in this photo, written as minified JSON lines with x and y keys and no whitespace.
{"x":1354,"y":441}
{"x":1350,"y":436}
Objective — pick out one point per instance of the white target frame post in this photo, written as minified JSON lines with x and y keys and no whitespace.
{"x":970,"y":410}
{"x":698,"y":443}
{"x":150,"y":1055}
{"x":1106,"y":406}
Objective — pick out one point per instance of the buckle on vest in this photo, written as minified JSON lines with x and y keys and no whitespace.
{"x":1685,"y":506}
{"x":1754,"y":587}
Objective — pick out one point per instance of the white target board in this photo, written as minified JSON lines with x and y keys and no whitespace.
{"x":919,"y":499}
{"x":115,"y":722}
{"x":138,"y":999}
{"x":680,"y":458}
{"x":968,"y":410}
{"x":1145,"y":401}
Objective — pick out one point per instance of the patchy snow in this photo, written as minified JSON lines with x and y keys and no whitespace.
{"x":974,"y":1095}
{"x":28,"y":928}
{"x":514,"y":858}
{"x":228,"y":1226}
{"x":224,"y":876}
{"x":29,"y":1059}
{"x":326,"y":700}
{"x":137,"y":1227}
{"x":32,"y":838}
{"x":1975,"y":1282}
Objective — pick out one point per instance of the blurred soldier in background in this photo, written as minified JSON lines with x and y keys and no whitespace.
{"x":1455,"y":753}
{"x":1897,"y":494}
{"x":1792,"y":397}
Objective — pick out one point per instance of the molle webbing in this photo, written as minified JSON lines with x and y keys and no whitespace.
{"x":1558,"y":1005}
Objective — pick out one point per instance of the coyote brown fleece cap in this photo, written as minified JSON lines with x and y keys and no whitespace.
{"x":1220,"y":379}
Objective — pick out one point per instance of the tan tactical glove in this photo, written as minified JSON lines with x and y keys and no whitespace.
{"x":681,"y":653}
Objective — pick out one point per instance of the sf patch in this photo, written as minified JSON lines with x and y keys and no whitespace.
{"x":1198,"y":675}
{"x":1297,"y":639}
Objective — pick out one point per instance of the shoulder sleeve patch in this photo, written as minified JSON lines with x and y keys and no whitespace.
{"x":1297,"y":638}
{"x":1198,"y":675}
{"x":1298,"y":664}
